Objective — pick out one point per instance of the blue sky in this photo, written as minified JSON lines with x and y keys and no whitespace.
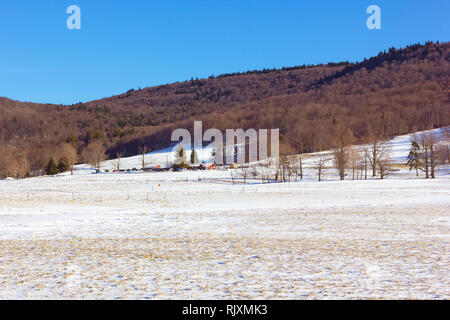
{"x":136,"y":43}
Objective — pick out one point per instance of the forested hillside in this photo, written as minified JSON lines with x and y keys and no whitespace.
{"x":396,"y":92}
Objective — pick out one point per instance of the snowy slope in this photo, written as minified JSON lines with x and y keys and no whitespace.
{"x":163,"y":157}
{"x":399,"y":152}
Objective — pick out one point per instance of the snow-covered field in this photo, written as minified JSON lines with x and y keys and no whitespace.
{"x":195,"y":235}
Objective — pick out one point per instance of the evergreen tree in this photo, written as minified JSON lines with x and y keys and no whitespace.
{"x":194,"y":157}
{"x":180,"y":158}
{"x":414,"y":157}
{"x":63,"y":165}
{"x":51,"y":168}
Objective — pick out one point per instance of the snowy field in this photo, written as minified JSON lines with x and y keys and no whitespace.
{"x":195,"y":235}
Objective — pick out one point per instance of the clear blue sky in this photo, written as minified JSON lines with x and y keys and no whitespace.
{"x":139,"y":43}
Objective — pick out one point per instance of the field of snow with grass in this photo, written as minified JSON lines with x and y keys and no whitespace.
{"x":195,"y":235}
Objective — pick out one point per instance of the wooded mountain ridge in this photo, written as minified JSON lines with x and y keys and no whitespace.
{"x":398,"y":91}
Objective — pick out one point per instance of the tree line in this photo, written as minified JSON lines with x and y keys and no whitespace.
{"x":403,"y":91}
{"x":429,"y":153}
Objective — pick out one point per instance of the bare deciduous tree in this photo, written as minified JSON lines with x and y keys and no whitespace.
{"x":299,"y":145}
{"x":284,"y":168}
{"x":38,"y":159}
{"x":68,"y":151}
{"x":428,"y":143}
{"x":342,"y":141}
{"x":14,"y":168}
{"x":143,"y":151}
{"x":377,"y":148}
{"x":266,"y":170}
{"x":6,"y":158}
{"x":119,"y":156}
{"x":384,"y":166}
{"x":23,"y":167}
{"x":444,"y":154}
{"x":95,"y":154}
{"x":319,"y":165}
{"x":245,"y":172}
{"x":233,"y":176}
{"x":355,"y":157}
{"x":300,"y":167}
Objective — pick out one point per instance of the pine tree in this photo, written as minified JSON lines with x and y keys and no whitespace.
{"x":180,"y":158}
{"x":51,"y":168}
{"x":194,"y":157}
{"x":414,"y":157}
{"x":63,"y":165}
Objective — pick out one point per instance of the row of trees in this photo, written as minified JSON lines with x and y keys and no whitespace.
{"x":374,"y":155}
{"x":17,"y":164}
{"x":12,"y":164}
{"x":181,"y":158}
{"x":344,"y":156}
{"x":429,"y":153}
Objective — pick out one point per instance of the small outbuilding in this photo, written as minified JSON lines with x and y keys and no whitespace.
{"x":212,"y":166}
